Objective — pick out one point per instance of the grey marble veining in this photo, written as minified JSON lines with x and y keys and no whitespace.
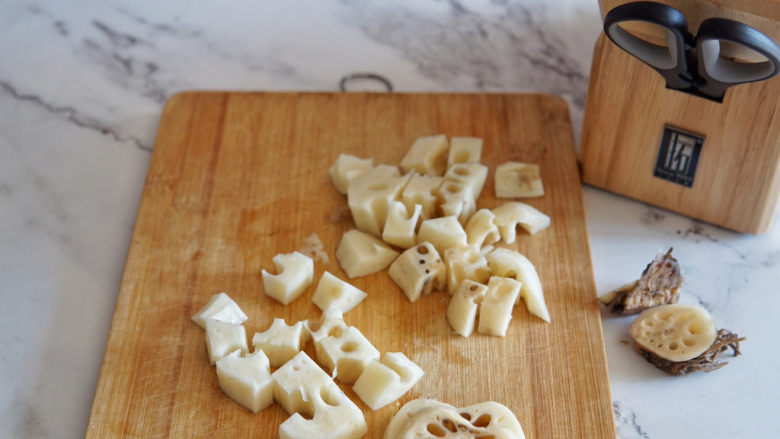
{"x":627,"y":424}
{"x":518,"y":46}
{"x":82,"y":85}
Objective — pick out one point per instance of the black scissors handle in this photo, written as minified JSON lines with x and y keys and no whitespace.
{"x":703,"y":71}
{"x":671,"y":61}
{"x":720,"y":73}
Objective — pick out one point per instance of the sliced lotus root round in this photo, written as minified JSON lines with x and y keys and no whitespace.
{"x":674,"y":332}
{"x":426,"y":418}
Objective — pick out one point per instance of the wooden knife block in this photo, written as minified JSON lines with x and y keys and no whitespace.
{"x":735,"y":177}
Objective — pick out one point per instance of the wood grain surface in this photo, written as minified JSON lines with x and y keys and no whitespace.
{"x":236,"y":178}
{"x":737,"y":180}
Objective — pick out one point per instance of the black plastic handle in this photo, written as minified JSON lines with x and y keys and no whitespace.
{"x":718,"y":72}
{"x":671,"y":60}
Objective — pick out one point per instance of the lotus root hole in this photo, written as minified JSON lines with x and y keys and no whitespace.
{"x":472,"y":288}
{"x":462,"y":171}
{"x":421,"y":249}
{"x":349,"y":346}
{"x":694,"y":329}
{"x":436,"y":430}
{"x":689,"y":342}
{"x":453,"y":188}
{"x":466,"y":416}
{"x":336,"y":331}
{"x":482,"y":421}
{"x":449,"y":425}
{"x":674,"y":346}
{"x":461,"y":157}
{"x":328,"y":397}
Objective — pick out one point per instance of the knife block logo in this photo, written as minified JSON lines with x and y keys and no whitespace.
{"x":678,"y":156}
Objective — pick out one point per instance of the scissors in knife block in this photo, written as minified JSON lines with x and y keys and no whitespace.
{"x":689,"y":63}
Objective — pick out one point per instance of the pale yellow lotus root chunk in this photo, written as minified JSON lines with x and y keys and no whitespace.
{"x":295,"y":274}
{"x":223,"y":338}
{"x":247,"y":380}
{"x":347,"y":168}
{"x":419,"y":271}
{"x":421,"y":190}
{"x":495,"y":310}
{"x":318,"y":407}
{"x":345,"y":354}
{"x":360,"y":254}
{"x":280,"y":341}
{"x":334,"y":292}
{"x":426,"y":418}
{"x":443,"y":233}
{"x":400,"y":225}
{"x":428,"y":155}
{"x":370,"y":195}
{"x":674,"y":332}
{"x":462,"y":309}
{"x":518,"y":180}
{"x":481,"y":229}
{"x":509,"y":263}
{"x":464,"y":150}
{"x":455,"y":199}
{"x":465,"y":262}
{"x":473,"y":175}
{"x":331,"y":323}
{"x":384,"y":381}
{"x":514,"y":213}
{"x":220,"y":307}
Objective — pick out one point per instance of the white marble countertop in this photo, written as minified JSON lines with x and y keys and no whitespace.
{"x":82,"y":85}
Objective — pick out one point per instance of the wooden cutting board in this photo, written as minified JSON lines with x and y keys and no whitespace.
{"x":236,"y":178}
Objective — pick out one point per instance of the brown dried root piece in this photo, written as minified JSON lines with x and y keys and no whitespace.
{"x":659,"y":285}
{"x":706,"y":362}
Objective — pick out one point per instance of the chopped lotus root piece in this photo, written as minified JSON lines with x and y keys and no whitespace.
{"x":681,"y":339}
{"x":659,"y":285}
{"x":427,"y":418}
{"x":518,"y":180}
{"x":419,"y":271}
{"x":428,"y":155}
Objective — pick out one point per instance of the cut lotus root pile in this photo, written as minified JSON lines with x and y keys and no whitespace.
{"x":428,"y":418}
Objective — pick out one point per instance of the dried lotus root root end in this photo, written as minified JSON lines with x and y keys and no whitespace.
{"x":659,"y":285}
{"x":435,"y":419}
{"x":681,"y":339}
